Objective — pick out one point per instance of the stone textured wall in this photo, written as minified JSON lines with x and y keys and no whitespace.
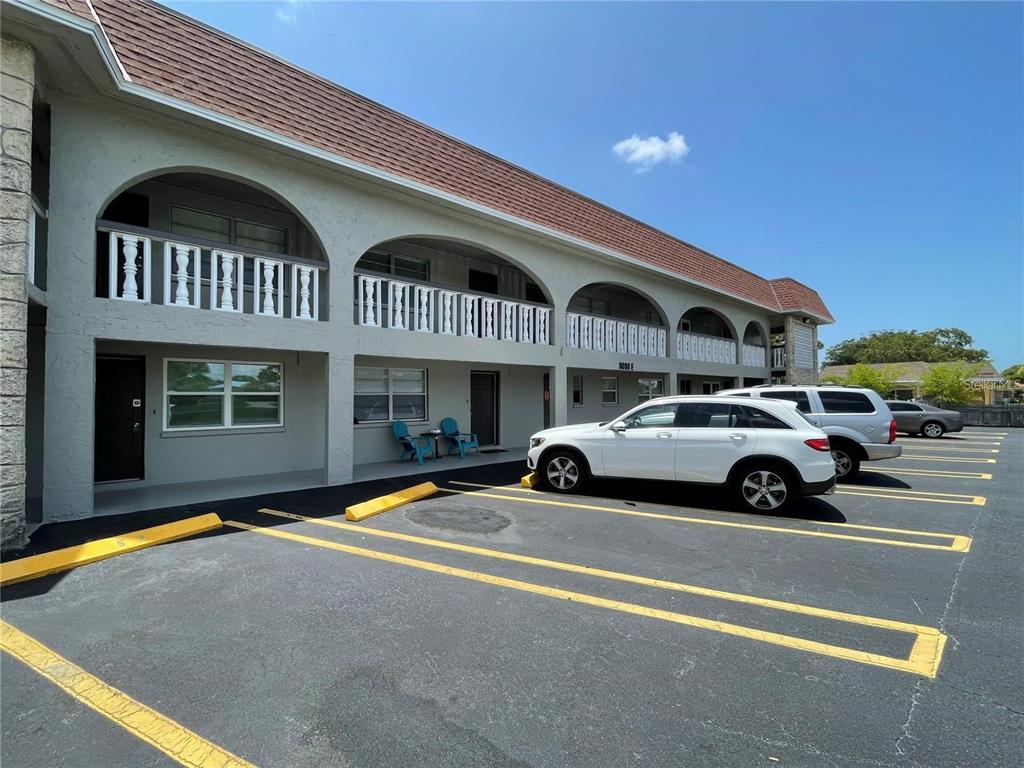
{"x":796,"y":375}
{"x":18,"y":83}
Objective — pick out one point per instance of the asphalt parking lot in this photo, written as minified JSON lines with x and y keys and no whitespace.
{"x":639,"y":624}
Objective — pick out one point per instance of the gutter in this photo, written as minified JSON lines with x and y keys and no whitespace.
{"x":125,"y":85}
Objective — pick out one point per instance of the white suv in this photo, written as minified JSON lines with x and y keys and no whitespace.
{"x":766,"y":452}
{"x":858,"y":423}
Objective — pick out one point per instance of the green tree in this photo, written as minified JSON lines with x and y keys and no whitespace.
{"x":940,"y":345}
{"x":1014,"y":373}
{"x":949,"y":383}
{"x":882,"y":380}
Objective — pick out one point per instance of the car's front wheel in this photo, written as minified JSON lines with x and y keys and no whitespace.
{"x":764,"y":489}
{"x":563,"y":471}
{"x":933,"y":429}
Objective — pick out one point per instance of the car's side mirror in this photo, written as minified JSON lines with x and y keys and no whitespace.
{"x":619,"y":426}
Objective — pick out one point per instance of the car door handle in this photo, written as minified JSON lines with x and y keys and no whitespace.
{"x":664,"y":435}
{"x":738,"y":436}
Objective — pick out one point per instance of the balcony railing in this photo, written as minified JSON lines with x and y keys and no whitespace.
{"x":423,"y":308}
{"x":200,"y":274}
{"x":754,"y":356}
{"x":606,"y":334}
{"x":778,"y":358}
{"x":705,"y":349}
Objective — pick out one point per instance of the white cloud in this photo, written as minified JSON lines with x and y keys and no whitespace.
{"x":647,"y":153}
{"x":289,"y":13}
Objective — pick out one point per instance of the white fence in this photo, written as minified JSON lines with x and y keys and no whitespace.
{"x":754,"y":356}
{"x":406,"y":306}
{"x":605,"y":334}
{"x":204,"y":277}
{"x":706,"y":349}
{"x":778,"y":357}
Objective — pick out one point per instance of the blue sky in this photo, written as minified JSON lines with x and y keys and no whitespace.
{"x":873,"y":150}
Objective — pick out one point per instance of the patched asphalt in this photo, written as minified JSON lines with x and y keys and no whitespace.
{"x":289,"y":654}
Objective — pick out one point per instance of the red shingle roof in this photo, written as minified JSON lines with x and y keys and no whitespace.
{"x":178,"y":57}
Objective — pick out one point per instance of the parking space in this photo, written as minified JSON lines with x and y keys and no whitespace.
{"x":491,"y":624}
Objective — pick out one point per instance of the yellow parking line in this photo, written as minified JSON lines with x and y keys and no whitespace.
{"x":908,"y":495}
{"x":498,"y":554}
{"x":946,"y":473}
{"x":958,"y":543}
{"x":949,"y":448}
{"x":923,"y":659}
{"x":968,"y":460}
{"x":173,"y":739}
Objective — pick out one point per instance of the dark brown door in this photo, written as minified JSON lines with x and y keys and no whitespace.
{"x":483,"y":406}
{"x":120,"y":413}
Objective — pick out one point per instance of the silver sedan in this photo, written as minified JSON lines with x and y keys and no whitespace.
{"x":927,"y":420}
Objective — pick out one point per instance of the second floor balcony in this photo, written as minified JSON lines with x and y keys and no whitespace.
{"x":146,"y":266}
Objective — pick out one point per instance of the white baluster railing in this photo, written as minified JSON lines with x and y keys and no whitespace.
{"x":269,"y":286}
{"x":424,"y":309}
{"x":754,"y":356}
{"x":705,"y":349}
{"x":227,"y":273}
{"x":181,"y":273}
{"x":402,"y":305}
{"x":605,"y":334}
{"x":489,"y":318}
{"x":586,"y":332}
{"x":447,"y":308}
{"x":526,"y":324}
{"x":124,"y":274}
{"x":543,"y":325}
{"x":778,"y":357}
{"x":572,"y":330}
{"x":198,"y":275}
{"x":399,"y":295}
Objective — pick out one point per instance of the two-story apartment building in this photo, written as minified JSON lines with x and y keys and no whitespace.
{"x":223,"y":272}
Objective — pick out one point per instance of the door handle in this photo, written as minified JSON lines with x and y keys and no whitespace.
{"x":738,"y":436}
{"x":664,"y":435}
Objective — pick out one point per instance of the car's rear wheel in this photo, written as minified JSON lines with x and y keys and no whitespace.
{"x":933,"y":429}
{"x":563,"y":471}
{"x":765,"y":488}
{"x":847,"y":465}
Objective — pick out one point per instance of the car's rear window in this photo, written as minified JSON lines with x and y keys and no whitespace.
{"x":838,"y":401}
{"x":803,"y":403}
{"x":759,"y":419}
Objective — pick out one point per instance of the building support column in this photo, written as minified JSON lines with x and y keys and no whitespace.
{"x":340,"y":433}
{"x":17,"y":63}
{"x":558,"y":378}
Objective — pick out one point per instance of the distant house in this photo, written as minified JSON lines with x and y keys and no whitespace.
{"x":993,"y":387}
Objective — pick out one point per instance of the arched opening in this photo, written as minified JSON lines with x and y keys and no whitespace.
{"x":706,"y":336}
{"x":451,"y":287}
{"x":202,"y":240}
{"x":755,"y":346}
{"x":608,"y":317}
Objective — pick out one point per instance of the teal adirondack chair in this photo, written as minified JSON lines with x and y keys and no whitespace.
{"x":417,"y":447}
{"x":456,"y":440}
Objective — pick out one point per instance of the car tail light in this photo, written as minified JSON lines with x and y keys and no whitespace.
{"x":818,"y":443}
{"x":892,"y":430}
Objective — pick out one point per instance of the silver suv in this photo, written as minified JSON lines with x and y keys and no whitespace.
{"x":857,"y":421}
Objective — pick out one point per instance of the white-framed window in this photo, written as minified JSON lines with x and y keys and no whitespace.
{"x":390,"y":394}
{"x":609,"y":390}
{"x":710,"y":387}
{"x":394,"y":264}
{"x":222,"y":394}
{"x":225,"y":229}
{"x":577,"y":390}
{"x":650,"y":388}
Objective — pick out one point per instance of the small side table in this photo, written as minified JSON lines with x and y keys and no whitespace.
{"x":436,"y":434}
